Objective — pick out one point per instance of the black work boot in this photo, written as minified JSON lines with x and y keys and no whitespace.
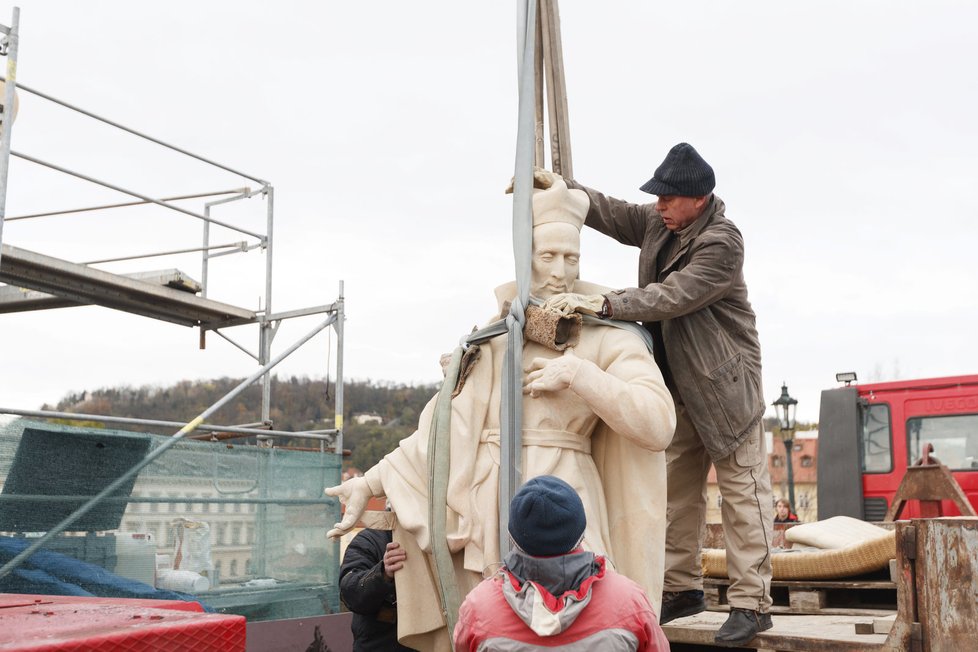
{"x":677,"y":604}
{"x":742,"y":625}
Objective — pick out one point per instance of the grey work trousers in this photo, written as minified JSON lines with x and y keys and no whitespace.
{"x":745,"y":486}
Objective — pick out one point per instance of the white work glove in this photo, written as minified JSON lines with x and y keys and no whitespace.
{"x":551,"y":374}
{"x":588,"y":304}
{"x":354,"y":493}
{"x":542,"y":179}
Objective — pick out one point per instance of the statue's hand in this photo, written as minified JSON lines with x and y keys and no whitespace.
{"x":588,"y":304}
{"x":551,"y":374}
{"x":354,"y":493}
{"x":542,"y":179}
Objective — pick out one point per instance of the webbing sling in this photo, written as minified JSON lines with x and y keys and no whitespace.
{"x":511,"y":406}
{"x":511,"y":400}
{"x":439,"y":456}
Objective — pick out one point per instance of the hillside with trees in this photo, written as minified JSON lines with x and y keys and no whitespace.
{"x":298,"y":403}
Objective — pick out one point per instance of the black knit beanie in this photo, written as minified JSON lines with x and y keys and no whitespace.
{"x":683,"y":173}
{"x":546,"y":517}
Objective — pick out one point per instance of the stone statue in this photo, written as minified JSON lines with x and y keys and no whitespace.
{"x":597,"y":415}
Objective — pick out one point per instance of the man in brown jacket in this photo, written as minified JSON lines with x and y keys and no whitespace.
{"x":693,"y":300}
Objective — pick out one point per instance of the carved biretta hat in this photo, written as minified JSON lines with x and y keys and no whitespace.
{"x":683,"y":173}
{"x":558,"y":203}
{"x":546,"y":517}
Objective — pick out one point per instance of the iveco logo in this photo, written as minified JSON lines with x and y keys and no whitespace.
{"x":941,"y":405}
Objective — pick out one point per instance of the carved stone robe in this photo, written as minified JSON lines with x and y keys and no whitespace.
{"x":612,"y":455}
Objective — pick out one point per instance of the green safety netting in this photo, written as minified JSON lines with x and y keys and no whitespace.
{"x":239,"y":527}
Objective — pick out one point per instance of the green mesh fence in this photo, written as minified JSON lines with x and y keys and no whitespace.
{"x":239,"y":528}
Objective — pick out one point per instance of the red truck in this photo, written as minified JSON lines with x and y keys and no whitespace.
{"x":870,"y":433}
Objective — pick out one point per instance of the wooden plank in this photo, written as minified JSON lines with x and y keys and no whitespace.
{"x":864,"y":628}
{"x":883,"y":625}
{"x":789,"y":634}
{"x":813,"y":584}
{"x":800,"y":600}
{"x":783,"y":610}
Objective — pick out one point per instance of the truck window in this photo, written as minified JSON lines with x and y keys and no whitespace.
{"x":876,"y":439}
{"x":954,"y":438}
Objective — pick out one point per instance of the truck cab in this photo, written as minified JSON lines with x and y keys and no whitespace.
{"x":870,"y":433}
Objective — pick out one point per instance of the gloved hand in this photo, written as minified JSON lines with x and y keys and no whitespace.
{"x":542,"y":179}
{"x":551,"y":374}
{"x":354,"y":493}
{"x":588,"y":304}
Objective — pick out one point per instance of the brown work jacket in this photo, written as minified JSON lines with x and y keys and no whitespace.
{"x":695,"y":305}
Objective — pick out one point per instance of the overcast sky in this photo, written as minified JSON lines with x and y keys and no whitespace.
{"x":842,"y":134}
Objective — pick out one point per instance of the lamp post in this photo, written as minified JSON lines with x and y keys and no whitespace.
{"x":785,"y":408}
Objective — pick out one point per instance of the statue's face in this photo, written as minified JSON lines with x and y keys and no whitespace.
{"x":556,"y":259}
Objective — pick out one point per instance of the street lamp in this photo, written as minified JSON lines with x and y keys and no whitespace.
{"x":785,"y":408}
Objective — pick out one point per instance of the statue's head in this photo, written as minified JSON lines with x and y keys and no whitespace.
{"x":558,"y":215}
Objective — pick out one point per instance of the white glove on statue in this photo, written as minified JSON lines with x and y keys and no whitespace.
{"x":588,"y":304}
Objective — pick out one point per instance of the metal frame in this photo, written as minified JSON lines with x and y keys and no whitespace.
{"x":169,"y":296}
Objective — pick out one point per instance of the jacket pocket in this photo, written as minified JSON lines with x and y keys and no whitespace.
{"x":729,"y":389}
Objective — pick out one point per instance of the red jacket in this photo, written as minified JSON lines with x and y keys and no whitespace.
{"x":606,"y":612}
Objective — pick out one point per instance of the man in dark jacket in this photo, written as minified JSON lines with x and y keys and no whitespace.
{"x":367,"y":589}
{"x":693,"y":300}
{"x":551,"y":594}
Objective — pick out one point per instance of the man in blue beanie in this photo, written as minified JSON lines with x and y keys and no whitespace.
{"x":692,"y":298}
{"x":550,"y":592}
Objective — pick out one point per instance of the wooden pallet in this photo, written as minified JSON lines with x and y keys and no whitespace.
{"x":838,"y":597}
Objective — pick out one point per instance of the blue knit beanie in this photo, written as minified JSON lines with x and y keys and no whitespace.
{"x":546,"y":517}
{"x":683,"y":173}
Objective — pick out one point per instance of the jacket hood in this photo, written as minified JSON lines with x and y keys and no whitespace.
{"x":571,"y":576}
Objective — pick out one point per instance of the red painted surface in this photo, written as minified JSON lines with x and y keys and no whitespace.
{"x":908,"y":399}
{"x":69,"y":624}
{"x":16,"y":600}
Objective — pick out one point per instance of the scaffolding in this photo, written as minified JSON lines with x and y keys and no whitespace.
{"x":38,"y":281}
{"x":35,"y":281}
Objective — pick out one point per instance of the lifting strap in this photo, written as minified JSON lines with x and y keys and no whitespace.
{"x":511,"y":400}
{"x":439,"y":457}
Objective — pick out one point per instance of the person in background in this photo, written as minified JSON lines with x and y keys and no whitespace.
{"x":552,"y":594}
{"x":783,"y":513}
{"x":367,"y":589}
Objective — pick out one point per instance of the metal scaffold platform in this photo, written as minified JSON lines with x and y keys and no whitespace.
{"x":169,"y":295}
{"x":37,"y":280}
